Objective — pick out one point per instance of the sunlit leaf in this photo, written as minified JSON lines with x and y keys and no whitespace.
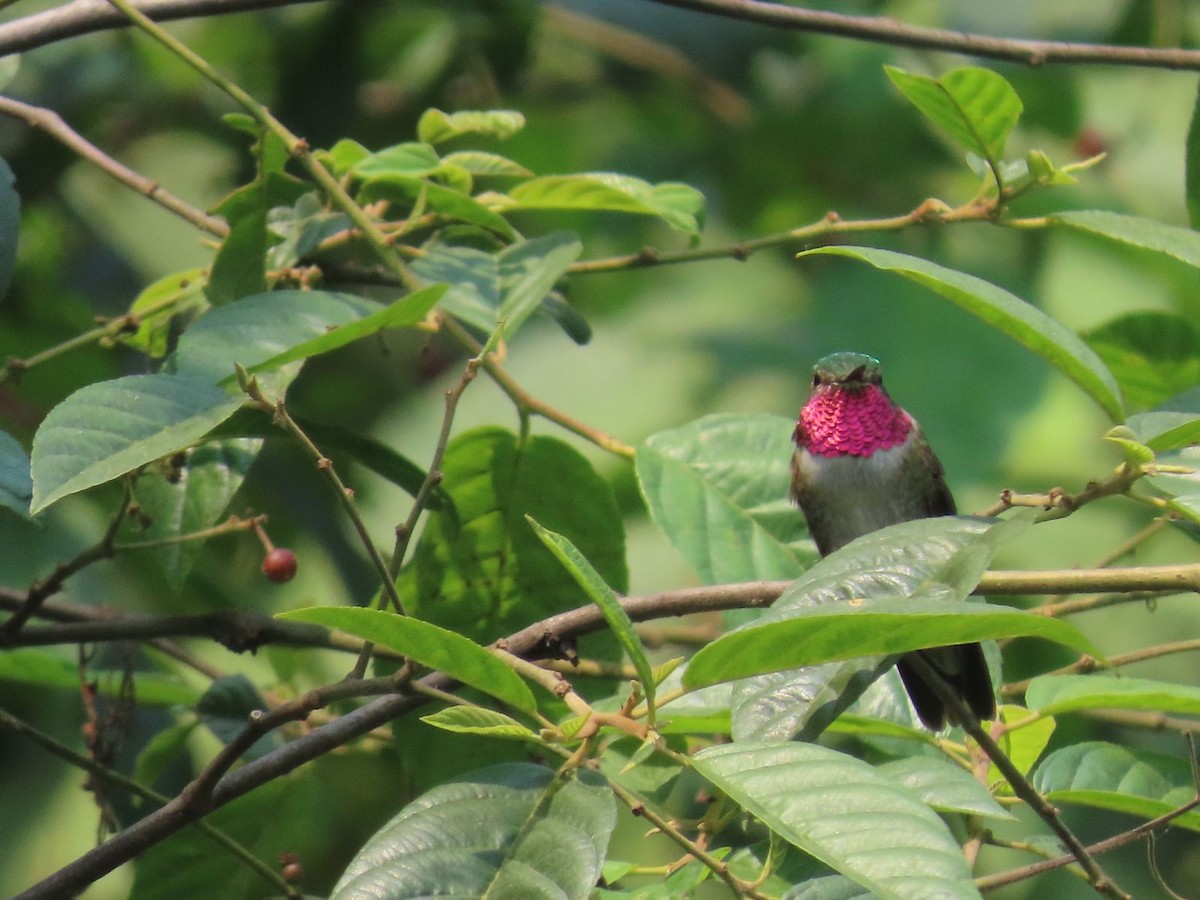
{"x":1153,"y":355}
{"x":436,"y":126}
{"x":1056,"y":694}
{"x":16,"y":487}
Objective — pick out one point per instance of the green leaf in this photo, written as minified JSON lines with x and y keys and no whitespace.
{"x":1057,"y":694}
{"x":16,"y":487}
{"x":448,"y":201}
{"x":109,"y":428}
{"x":162,"y":750}
{"x":1106,"y":776}
{"x":188,"y":495}
{"x":428,"y":645}
{"x":479,"y":163}
{"x":1006,"y":312}
{"x":528,"y":270}
{"x":610,"y":605}
{"x":267,"y":332}
{"x":1166,"y":430}
{"x":511,"y":830}
{"x":46,"y":668}
{"x":1153,"y":355}
{"x":479,"y":569}
{"x":153,"y":333}
{"x":975,"y":106}
{"x":240,"y":267}
{"x":1182,"y":244}
{"x":845,"y":813}
{"x":1023,"y":744}
{"x":344,"y":155}
{"x":436,"y":126}
{"x":10,"y":222}
{"x":944,"y":785}
{"x":413,"y":160}
{"x":854,"y":629}
{"x":679,"y":205}
{"x":717,"y":488}
{"x":475,"y":720}
{"x":944,"y":554}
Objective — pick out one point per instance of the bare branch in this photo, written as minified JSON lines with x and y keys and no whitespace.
{"x":86,"y":16}
{"x":881,"y":30}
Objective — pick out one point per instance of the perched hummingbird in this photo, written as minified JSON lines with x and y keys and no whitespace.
{"x":861,"y":463}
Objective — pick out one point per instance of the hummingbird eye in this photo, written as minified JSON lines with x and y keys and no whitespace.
{"x":816,"y":379}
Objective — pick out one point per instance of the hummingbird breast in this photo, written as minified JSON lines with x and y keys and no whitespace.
{"x":845,"y":497}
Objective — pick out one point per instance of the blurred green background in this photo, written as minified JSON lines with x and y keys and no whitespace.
{"x":775,"y":128}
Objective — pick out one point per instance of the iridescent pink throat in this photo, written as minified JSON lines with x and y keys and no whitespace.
{"x":845,"y":422}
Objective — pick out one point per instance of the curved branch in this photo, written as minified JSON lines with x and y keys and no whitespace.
{"x":881,"y":30}
{"x":86,"y":16}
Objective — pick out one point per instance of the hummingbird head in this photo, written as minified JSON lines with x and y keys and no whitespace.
{"x":848,"y":412}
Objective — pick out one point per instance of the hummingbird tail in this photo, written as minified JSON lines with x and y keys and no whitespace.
{"x":964,"y":669}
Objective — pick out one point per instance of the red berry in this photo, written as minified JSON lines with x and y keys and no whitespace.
{"x":1090,"y":142}
{"x":279,"y":565}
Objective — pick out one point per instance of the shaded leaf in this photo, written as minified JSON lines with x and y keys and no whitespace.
{"x":428,"y":645}
{"x":1153,"y":355}
{"x":449,"y":201}
{"x":109,"y":428}
{"x":1106,"y":776}
{"x":188,"y":495}
{"x":16,"y":486}
{"x":717,"y":488}
{"x":1006,"y":312}
{"x":10,"y":222}
{"x":506,"y":831}
{"x":845,"y":813}
{"x":46,"y":668}
{"x":226,"y":708}
{"x":479,"y":569}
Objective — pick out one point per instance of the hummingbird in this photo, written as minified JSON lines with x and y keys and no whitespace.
{"x":860,"y":464}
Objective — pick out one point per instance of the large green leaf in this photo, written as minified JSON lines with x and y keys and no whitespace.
{"x":945,"y":555}
{"x":506,"y":831}
{"x":109,"y":428}
{"x":844,"y":812}
{"x":679,"y":205}
{"x":1192,"y":166}
{"x":508,"y":286}
{"x":186,"y":495}
{"x":1107,"y":776}
{"x":1056,"y":694}
{"x":1006,"y":312}
{"x":1153,"y":355}
{"x":606,"y":599}
{"x":413,"y":159}
{"x":858,"y":628}
{"x":16,"y":488}
{"x":428,"y":645}
{"x":718,"y":489}
{"x":1182,"y":244}
{"x":479,"y":569}
{"x":975,"y":106}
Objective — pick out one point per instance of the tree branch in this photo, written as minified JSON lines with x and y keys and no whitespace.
{"x":86,"y":16}
{"x":881,"y":30}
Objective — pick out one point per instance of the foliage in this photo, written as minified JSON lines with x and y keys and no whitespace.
{"x":461,"y":688}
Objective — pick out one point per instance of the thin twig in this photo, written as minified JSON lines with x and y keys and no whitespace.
{"x":957,"y":710}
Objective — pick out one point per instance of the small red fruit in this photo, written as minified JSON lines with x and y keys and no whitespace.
{"x":279,"y":565}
